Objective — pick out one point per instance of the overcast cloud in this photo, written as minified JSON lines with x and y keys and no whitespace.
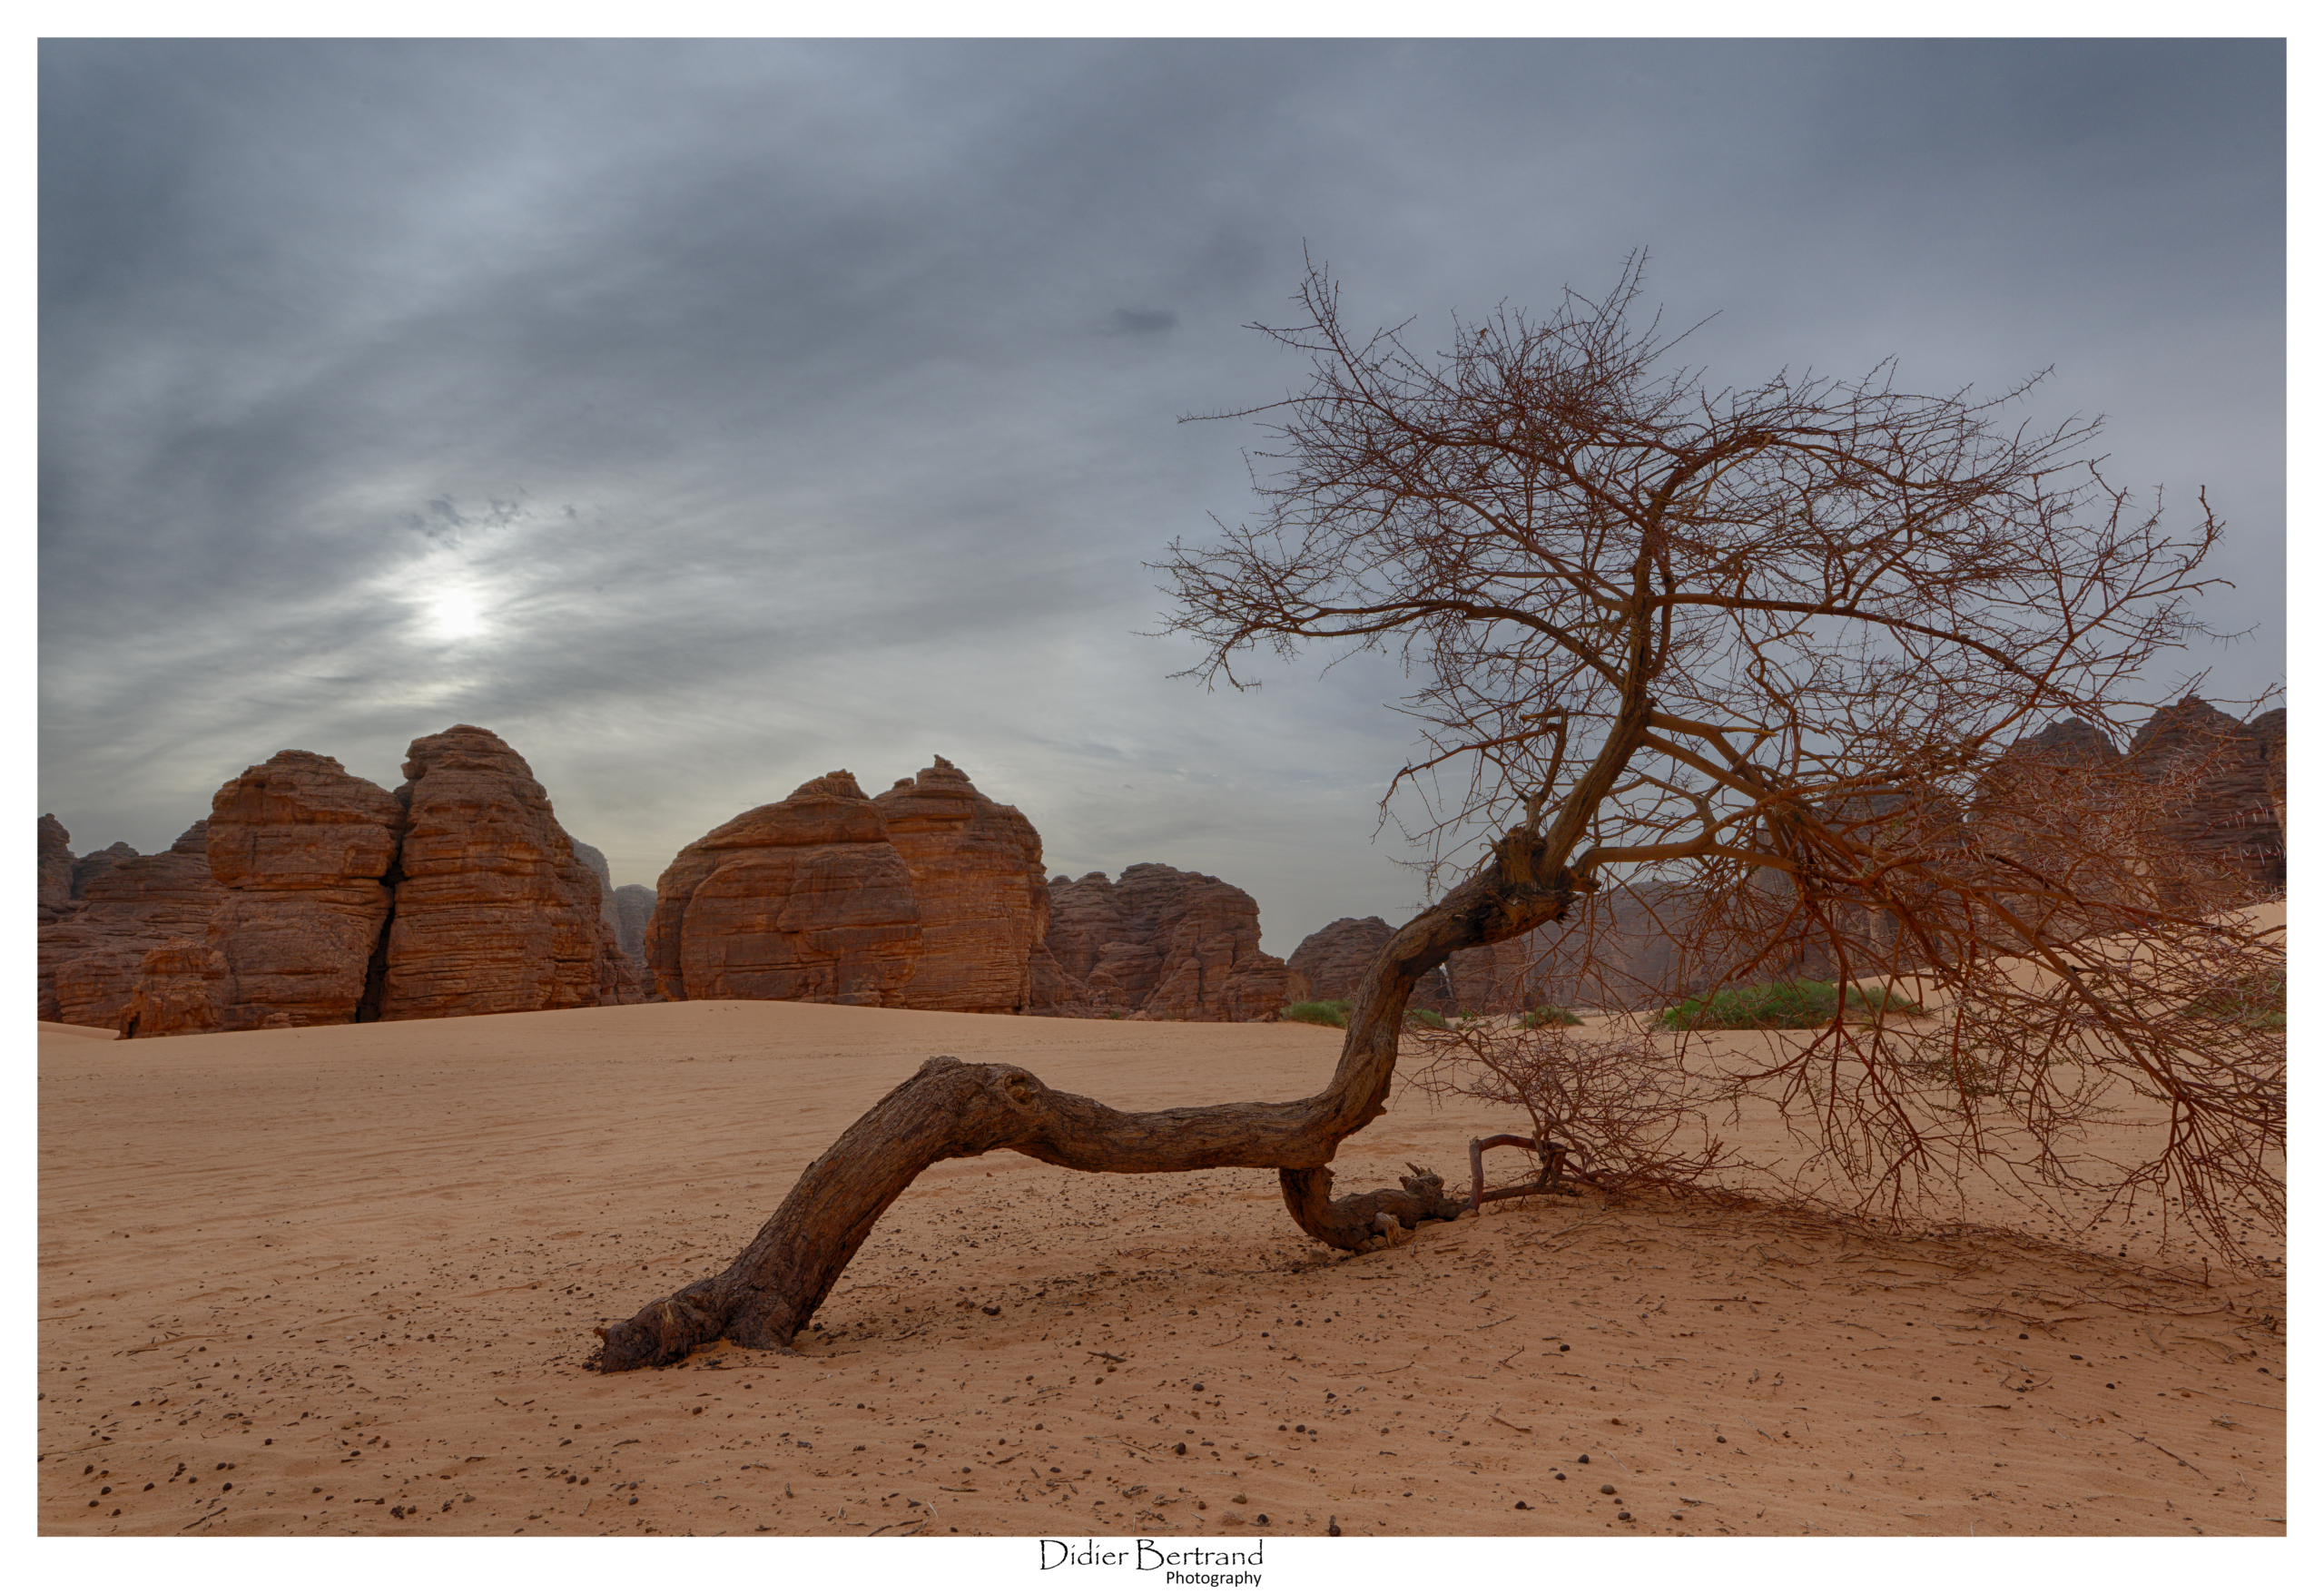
{"x":702,"y":416}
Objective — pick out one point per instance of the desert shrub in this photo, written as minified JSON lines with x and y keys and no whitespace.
{"x":2256,"y":1001}
{"x":1422,"y":1018}
{"x":1784,"y":1004}
{"x":1542,"y":1016}
{"x":1626,"y":1107}
{"x":1332,"y":1014}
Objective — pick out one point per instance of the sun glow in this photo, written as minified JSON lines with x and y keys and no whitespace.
{"x":456,"y":613}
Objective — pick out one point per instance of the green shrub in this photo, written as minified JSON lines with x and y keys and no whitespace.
{"x":1332,"y":1014}
{"x":2257,"y":1002}
{"x":1422,"y":1018}
{"x":1785,"y":1003}
{"x":1542,"y":1016}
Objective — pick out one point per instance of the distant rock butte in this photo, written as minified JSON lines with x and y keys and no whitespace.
{"x":1162,"y":943}
{"x":55,"y":869}
{"x":632,"y":906}
{"x":977,"y":879}
{"x":494,"y":912}
{"x":595,"y":862}
{"x":91,"y":865}
{"x":2235,"y":820}
{"x":88,"y":963}
{"x":304,"y":852}
{"x":313,"y":896}
{"x":803,"y":899}
{"x":1335,"y":957}
{"x":1626,"y":947}
{"x":621,"y":964}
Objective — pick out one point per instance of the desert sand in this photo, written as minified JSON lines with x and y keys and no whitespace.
{"x":341,"y":1280}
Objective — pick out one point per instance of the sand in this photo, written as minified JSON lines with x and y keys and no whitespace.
{"x":341,"y":1280}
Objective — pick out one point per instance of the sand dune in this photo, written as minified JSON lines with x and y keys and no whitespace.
{"x":341,"y":1280}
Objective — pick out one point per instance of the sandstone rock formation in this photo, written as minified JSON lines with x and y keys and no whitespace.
{"x":183,"y":987}
{"x":621,"y":964}
{"x":1619,"y":948}
{"x":632,"y":906}
{"x":307,"y":855}
{"x":621,"y":980}
{"x":1635,"y":946}
{"x":1162,"y":943}
{"x":93,"y":865}
{"x":493,"y":912}
{"x":976,"y":874}
{"x":595,"y":862}
{"x":803,"y":899}
{"x":88,"y":962}
{"x":1335,"y":957}
{"x":322,"y":898}
{"x":2234,"y":821}
{"x":55,"y":869}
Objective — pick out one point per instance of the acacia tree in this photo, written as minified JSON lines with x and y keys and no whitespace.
{"x":1766,"y":648}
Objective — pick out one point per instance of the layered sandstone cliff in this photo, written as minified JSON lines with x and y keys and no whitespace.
{"x":621,"y":965}
{"x":313,"y":896}
{"x":803,"y":899}
{"x":976,"y":876}
{"x":55,"y":869}
{"x":306,"y":852}
{"x":1162,"y":943}
{"x":1335,"y":957}
{"x":493,"y":913}
{"x":2197,"y":795}
{"x":95,"y":865}
{"x":88,"y":962}
{"x":2232,"y":822}
{"x":632,"y":907}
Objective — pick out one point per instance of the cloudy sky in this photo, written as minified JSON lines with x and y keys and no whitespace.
{"x":702,"y":416}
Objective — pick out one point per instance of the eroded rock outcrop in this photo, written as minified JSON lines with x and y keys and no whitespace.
{"x":323,"y":898}
{"x":976,"y":875}
{"x":88,"y":962}
{"x":493,"y":913}
{"x":95,"y":865}
{"x":1335,"y":957}
{"x":2197,"y":795}
{"x":306,"y":855}
{"x":2233,"y":818}
{"x":55,"y":869}
{"x":803,"y":899}
{"x":1622,"y":947}
{"x":621,"y":970}
{"x":632,"y":907}
{"x":1162,"y":943}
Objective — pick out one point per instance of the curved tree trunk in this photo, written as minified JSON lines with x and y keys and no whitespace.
{"x":953,"y":1109}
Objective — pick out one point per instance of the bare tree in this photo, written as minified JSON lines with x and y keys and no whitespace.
{"x":1763,"y":649}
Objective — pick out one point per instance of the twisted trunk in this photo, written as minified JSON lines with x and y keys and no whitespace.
{"x":954,"y":1108}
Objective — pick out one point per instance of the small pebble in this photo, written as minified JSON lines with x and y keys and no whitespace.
{"x":1607,"y":1487}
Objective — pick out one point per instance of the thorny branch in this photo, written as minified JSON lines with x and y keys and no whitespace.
{"x":1759,"y":667}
